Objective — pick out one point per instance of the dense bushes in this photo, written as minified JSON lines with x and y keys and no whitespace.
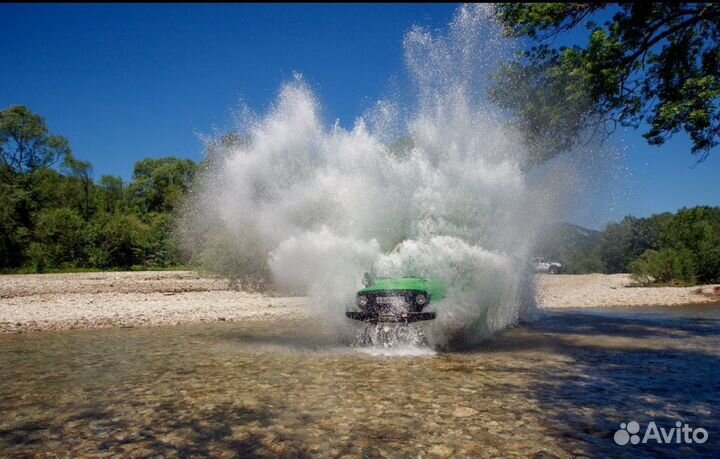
{"x":53,"y":216}
{"x":623,"y":242}
{"x":114,"y":226}
{"x":60,"y":239}
{"x":678,"y":248}
{"x":697,"y":230}
{"x":664,"y":266}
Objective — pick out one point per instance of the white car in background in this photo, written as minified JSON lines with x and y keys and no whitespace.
{"x":543,"y":265}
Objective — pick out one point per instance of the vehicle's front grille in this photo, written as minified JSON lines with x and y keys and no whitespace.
{"x":392,"y":302}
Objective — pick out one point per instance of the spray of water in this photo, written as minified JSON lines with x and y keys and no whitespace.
{"x":310,"y":207}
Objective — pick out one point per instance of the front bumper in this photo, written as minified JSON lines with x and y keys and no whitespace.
{"x":403,"y":317}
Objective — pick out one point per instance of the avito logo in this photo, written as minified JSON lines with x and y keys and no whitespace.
{"x":680,"y":434}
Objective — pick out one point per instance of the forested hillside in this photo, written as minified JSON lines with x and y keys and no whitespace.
{"x":54,"y":216}
{"x":682,"y":248}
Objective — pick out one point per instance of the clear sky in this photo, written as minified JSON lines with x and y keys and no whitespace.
{"x":126,"y":82}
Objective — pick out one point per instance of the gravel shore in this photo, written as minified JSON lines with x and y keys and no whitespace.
{"x":613,"y":290}
{"x":129,"y":299}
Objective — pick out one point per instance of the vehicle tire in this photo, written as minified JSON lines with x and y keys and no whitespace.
{"x":554,"y":270}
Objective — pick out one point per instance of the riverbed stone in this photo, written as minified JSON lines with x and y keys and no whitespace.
{"x":464,"y":412}
{"x":441,"y":451}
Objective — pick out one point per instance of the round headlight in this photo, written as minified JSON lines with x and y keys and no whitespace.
{"x":420,"y":299}
{"x":362,"y":301}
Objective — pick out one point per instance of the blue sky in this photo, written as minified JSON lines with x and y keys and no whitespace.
{"x":125,"y":82}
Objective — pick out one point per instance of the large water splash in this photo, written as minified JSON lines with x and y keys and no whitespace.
{"x":310,"y":207}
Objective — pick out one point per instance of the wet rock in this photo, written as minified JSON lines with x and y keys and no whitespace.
{"x":441,"y":451}
{"x":464,"y":412}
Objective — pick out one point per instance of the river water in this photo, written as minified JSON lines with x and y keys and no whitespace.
{"x":559,"y":387}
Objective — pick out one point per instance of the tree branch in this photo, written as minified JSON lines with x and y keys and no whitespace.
{"x":651,"y":42}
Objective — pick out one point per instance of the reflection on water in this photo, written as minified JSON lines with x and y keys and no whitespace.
{"x":559,"y":387}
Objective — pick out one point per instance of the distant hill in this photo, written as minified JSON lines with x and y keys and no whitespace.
{"x":574,"y":246}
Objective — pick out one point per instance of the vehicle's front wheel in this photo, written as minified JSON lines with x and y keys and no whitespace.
{"x":554,"y":270}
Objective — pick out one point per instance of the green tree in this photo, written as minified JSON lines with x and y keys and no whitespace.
{"x":162,"y":248}
{"x":60,"y":240}
{"x":698,"y":230}
{"x":160,"y":184}
{"x":81,"y":173}
{"x":664,"y":266}
{"x":623,"y":242}
{"x":111,"y":193}
{"x":49,"y":189}
{"x":650,"y":62}
{"x":28,"y":151}
{"x":120,"y":240}
{"x":14,"y":234}
{"x":25,"y":142}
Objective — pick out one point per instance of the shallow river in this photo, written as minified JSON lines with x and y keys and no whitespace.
{"x":558,"y":387}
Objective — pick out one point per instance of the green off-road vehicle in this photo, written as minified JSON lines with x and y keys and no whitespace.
{"x":403,"y":299}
